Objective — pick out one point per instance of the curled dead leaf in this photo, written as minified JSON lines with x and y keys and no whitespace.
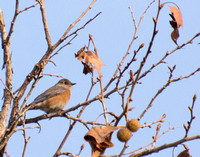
{"x":175,"y":35}
{"x":89,"y":60}
{"x":177,"y":16}
{"x":93,"y":60}
{"x":100,"y":133}
{"x":98,"y":138}
{"x":184,"y":153}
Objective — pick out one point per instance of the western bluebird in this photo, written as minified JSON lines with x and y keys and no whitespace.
{"x":55,"y":98}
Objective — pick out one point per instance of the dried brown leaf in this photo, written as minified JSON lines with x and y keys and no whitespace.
{"x":176,"y":13}
{"x":105,"y":144}
{"x":98,"y":137}
{"x":173,"y":24}
{"x":80,"y":54}
{"x":94,"y":61}
{"x":87,"y":69}
{"x":89,"y":60}
{"x":100,"y":132}
{"x":184,"y":153}
{"x":175,"y":35}
{"x":93,"y":143}
{"x":95,"y":153}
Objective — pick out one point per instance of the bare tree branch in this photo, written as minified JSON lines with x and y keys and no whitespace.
{"x":7,"y":91}
{"x":169,"y":81}
{"x":169,"y":53}
{"x":164,"y":146}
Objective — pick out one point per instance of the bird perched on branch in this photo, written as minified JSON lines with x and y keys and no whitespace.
{"x":55,"y":98}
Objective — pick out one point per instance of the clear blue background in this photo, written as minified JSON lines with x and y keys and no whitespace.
{"x":112,"y":32}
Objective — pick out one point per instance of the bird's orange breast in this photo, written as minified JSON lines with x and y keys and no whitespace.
{"x":59,"y":101}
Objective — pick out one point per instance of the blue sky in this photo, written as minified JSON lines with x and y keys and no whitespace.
{"x":112,"y":32}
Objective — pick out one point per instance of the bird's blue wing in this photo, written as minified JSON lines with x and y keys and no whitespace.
{"x":53,"y":91}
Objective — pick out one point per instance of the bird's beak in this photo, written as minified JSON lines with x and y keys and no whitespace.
{"x":73,"y":84}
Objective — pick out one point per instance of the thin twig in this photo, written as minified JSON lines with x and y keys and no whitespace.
{"x":156,"y":136}
{"x":192,"y":117}
{"x":6,"y":152}
{"x":102,"y":100}
{"x":13,"y":21}
{"x":128,"y":65}
{"x":169,"y":81}
{"x":44,"y":20}
{"x":123,"y":149}
{"x":30,"y":91}
{"x":17,"y":12}
{"x":25,"y":138}
{"x":27,"y":8}
{"x":167,"y":54}
{"x":75,"y":33}
{"x":137,"y":73}
{"x":55,"y":75}
{"x":68,"y":43}
{"x":154,"y":122}
{"x":49,"y":60}
{"x":129,"y":47}
{"x":32,"y":127}
{"x":90,"y":20}
{"x":95,"y":49}
{"x":145,"y":146}
{"x":73,"y":24}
